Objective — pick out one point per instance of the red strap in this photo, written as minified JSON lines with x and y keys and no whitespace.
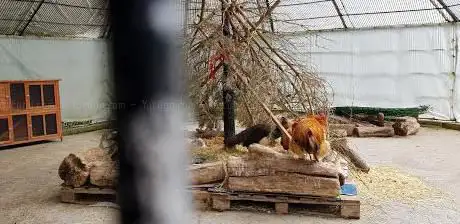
{"x":212,"y":73}
{"x":212,"y":69}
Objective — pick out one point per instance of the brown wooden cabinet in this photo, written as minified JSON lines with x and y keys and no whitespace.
{"x":30,"y":110}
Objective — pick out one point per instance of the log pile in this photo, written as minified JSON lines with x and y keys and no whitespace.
{"x":93,"y":166}
{"x":265,"y":170}
{"x":96,"y":166}
{"x":261,"y":170}
{"x":364,"y":125}
{"x":272,"y":175}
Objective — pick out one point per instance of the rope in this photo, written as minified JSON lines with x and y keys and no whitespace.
{"x":225,"y":181}
{"x":212,"y":61}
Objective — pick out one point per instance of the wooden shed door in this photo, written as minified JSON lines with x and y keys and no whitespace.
{"x":4,"y":98}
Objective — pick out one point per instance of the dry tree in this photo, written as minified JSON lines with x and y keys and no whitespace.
{"x":263,"y":72}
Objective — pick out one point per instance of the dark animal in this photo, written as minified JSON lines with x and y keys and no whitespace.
{"x":341,"y":179}
{"x":253,"y":134}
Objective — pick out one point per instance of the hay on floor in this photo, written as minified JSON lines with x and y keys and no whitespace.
{"x":215,"y":150}
{"x":390,"y":183}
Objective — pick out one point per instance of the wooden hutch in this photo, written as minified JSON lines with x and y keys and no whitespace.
{"x":30,"y":110}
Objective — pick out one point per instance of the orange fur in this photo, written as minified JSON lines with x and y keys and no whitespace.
{"x":321,"y":118}
{"x":308,"y":136}
{"x":317,"y":125}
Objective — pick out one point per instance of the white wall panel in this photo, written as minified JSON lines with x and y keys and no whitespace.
{"x":392,"y":67}
{"x":82,"y":65}
{"x":455,"y":76}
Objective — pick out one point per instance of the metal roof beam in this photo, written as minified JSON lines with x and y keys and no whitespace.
{"x":272,"y":26}
{"x":31,"y":17}
{"x":107,"y":31}
{"x":451,"y":14}
{"x":433,"y":2}
{"x":340,"y":14}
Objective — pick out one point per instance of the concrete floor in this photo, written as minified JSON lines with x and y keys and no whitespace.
{"x":29,"y":184}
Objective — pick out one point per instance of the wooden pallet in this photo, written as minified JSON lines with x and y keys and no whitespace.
{"x":87,"y":195}
{"x":93,"y":194}
{"x":349,"y":206}
{"x":220,"y":200}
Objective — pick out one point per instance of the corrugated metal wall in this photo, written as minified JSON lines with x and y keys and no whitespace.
{"x":388,"y":67}
{"x":456,"y":90}
{"x":81,"y":64}
{"x":394,"y":67}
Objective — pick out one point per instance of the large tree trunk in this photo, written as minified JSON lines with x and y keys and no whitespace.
{"x":246,"y":167}
{"x":288,"y":183}
{"x":269,"y":171}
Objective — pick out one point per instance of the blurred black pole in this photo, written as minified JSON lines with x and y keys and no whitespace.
{"x":146,"y":69}
{"x":227,"y":91}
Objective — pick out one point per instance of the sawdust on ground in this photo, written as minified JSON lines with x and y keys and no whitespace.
{"x":389,"y":183}
{"x":382,"y":183}
{"x":216,"y":151}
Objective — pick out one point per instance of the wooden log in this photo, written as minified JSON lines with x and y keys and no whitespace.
{"x":451,"y":125}
{"x":243,"y":167}
{"x":348,"y":127}
{"x":396,"y":119}
{"x":104,"y":173}
{"x":73,"y":171}
{"x":103,"y":169}
{"x":334,"y":119}
{"x":364,"y":124}
{"x":378,"y":120}
{"x":350,"y":207}
{"x":220,"y":202}
{"x":93,"y":155}
{"x":338,"y":133}
{"x":281,"y":208}
{"x":207,"y":173}
{"x":75,"y":168}
{"x":265,"y":164}
{"x":374,"y":132}
{"x":406,"y":126}
{"x":256,"y":151}
{"x":201,"y":199}
{"x":341,"y":146}
{"x":290,"y":183}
